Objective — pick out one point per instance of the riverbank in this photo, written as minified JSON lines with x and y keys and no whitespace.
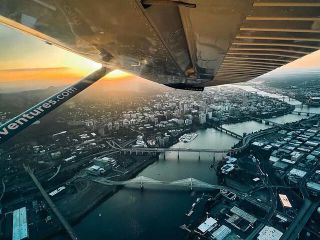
{"x":211,"y":123}
{"x":96,"y":199}
{"x":158,"y":174}
{"x":132,"y":214}
{"x":89,"y":195}
{"x":99,"y":194}
{"x":301,"y":95}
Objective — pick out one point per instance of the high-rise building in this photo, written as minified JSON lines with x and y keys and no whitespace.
{"x":116,"y":125}
{"x":101,"y":131}
{"x":202,"y":118}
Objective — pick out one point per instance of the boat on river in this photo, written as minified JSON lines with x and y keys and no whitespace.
{"x":188,"y":137}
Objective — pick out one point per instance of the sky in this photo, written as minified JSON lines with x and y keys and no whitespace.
{"x":29,"y":63}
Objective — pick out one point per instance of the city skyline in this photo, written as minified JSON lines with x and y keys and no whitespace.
{"x":160,"y":119}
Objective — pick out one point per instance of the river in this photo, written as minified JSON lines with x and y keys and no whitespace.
{"x":156,"y":214}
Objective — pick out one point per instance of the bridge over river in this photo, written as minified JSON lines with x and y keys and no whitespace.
{"x":162,"y":150}
{"x":231,"y":133}
{"x":304,"y":113}
{"x":244,"y":144}
{"x":145,"y":150}
{"x":142,"y":181}
{"x":188,"y":184}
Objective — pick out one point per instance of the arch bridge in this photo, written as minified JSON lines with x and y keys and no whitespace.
{"x":142,"y":181}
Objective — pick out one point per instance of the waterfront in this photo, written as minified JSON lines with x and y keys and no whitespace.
{"x":152,"y":214}
{"x":252,"y":126}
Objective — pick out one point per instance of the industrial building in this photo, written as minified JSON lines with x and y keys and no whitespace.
{"x":269,"y":233}
{"x":207,"y":225}
{"x":285,"y":201}
{"x":20,"y":224}
{"x":95,"y":170}
{"x":295,"y":153}
{"x":241,"y":219}
{"x":315,"y":187}
{"x":105,"y":162}
{"x":221,"y":233}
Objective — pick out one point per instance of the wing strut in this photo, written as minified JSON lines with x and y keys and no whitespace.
{"x":25,"y":119}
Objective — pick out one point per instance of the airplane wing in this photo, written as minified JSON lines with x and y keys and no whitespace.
{"x":186,"y":44}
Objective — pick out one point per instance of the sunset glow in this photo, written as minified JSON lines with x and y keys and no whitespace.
{"x":27,"y":62}
{"x":118,"y":74}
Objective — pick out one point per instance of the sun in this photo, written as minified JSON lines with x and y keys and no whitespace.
{"x":93,"y":65}
{"x":118,"y":74}
{"x":85,"y":66}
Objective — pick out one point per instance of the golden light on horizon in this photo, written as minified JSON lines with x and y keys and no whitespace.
{"x":92,"y":64}
{"x":78,"y":63}
{"x":85,"y":66}
{"x":118,"y":74}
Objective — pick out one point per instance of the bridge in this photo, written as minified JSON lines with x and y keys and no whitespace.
{"x":245,"y":143}
{"x":3,"y":188}
{"x":267,"y":122}
{"x":182,"y":184}
{"x":55,"y":174}
{"x":145,"y":150}
{"x":163,"y":150}
{"x":304,"y":113}
{"x":178,"y":151}
{"x":224,"y":130}
{"x":186,"y":183}
{"x":142,"y":181}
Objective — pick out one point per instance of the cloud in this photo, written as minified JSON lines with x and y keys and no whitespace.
{"x":57,"y":73}
{"x":33,"y":69}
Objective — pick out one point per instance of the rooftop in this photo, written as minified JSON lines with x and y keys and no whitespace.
{"x":207,"y":224}
{"x":243,"y":214}
{"x":313,"y":186}
{"x":221,"y":233}
{"x":20,"y":225}
{"x":269,"y":233}
{"x":297,"y":172}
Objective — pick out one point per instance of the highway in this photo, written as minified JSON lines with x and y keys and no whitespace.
{"x":56,"y":173}
{"x":245,"y":143}
{"x":300,"y":220}
{"x":53,"y":207}
{"x":3,"y":188}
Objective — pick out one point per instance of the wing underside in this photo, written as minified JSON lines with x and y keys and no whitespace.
{"x":176,"y":43}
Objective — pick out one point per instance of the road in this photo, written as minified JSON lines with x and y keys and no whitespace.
{"x":3,"y":188}
{"x":53,"y":207}
{"x":300,"y":220}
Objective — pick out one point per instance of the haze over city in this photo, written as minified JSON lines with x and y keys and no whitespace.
{"x":207,"y":128}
